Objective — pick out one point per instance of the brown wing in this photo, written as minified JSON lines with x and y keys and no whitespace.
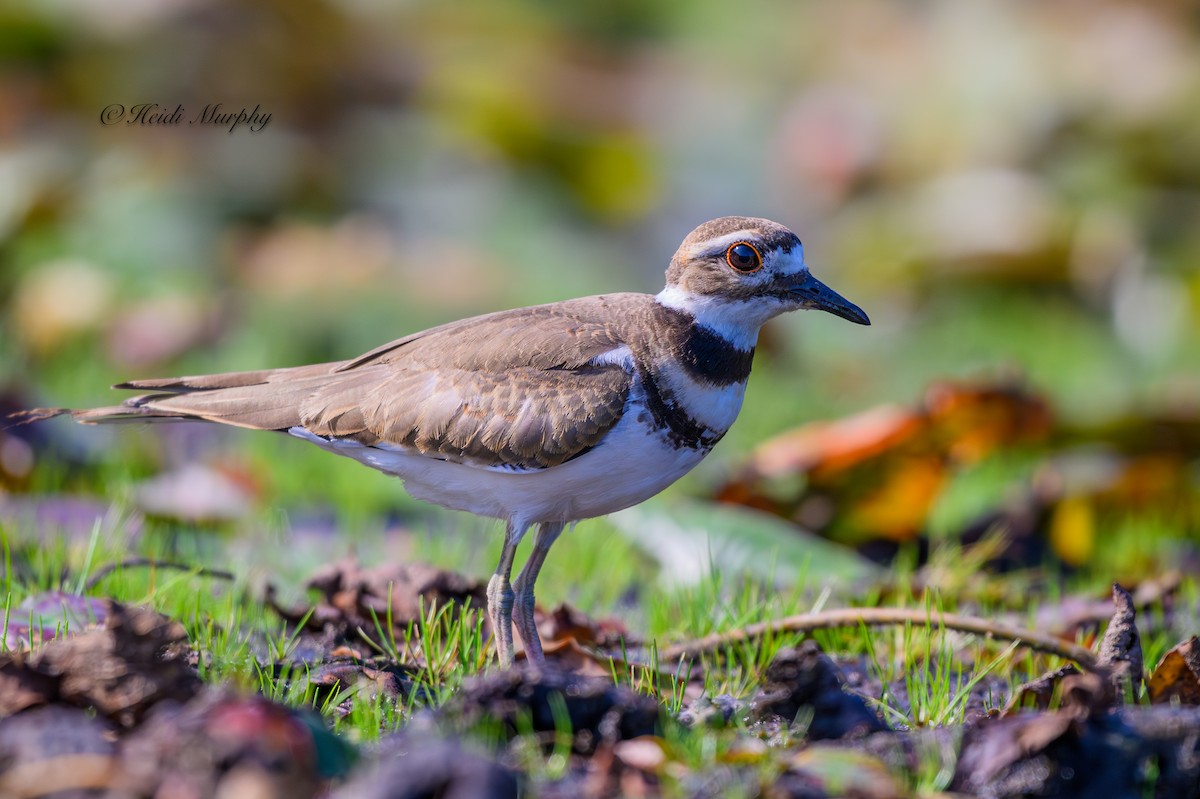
{"x":522,"y":417}
{"x":509,"y":389}
{"x":515,"y":388}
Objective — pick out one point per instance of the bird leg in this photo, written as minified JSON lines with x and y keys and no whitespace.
{"x":523,"y":610}
{"x":500,"y":597}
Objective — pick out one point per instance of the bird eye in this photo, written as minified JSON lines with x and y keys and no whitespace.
{"x":743,"y":257}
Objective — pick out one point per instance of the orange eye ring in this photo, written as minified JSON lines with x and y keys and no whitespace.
{"x":743,"y":257}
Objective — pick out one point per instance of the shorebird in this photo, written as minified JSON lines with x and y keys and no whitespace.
{"x":537,"y":416}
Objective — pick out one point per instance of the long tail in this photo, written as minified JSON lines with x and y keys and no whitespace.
{"x":268,"y":399}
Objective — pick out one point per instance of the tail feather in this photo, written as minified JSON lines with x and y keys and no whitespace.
{"x":129,"y":411}
{"x":193,"y":383}
{"x":18,"y":418}
{"x":262,"y":406}
{"x":267,"y":399}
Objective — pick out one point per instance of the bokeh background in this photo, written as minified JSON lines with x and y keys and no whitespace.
{"x":1011,"y":190}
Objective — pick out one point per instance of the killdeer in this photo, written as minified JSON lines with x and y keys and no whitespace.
{"x":535,"y":416}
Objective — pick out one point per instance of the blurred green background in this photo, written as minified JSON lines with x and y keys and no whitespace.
{"x":1009,"y":189}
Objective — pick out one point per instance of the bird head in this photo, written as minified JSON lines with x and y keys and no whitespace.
{"x":734,"y":273}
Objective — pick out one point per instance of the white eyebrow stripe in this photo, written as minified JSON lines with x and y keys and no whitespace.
{"x":722,"y":242}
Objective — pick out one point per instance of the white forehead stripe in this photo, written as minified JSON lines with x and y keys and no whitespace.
{"x":789,"y":263}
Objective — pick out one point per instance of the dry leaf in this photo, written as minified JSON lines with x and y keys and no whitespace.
{"x":1177,"y":675}
{"x":1121,"y":649}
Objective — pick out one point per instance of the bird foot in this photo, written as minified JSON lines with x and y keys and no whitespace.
{"x":500,"y":611}
{"x":523,"y":620}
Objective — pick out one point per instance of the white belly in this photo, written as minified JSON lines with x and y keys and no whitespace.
{"x":631,"y":464}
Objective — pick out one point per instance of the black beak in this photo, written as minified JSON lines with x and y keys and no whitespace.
{"x":814,"y":294}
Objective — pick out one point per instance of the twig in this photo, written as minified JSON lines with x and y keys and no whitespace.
{"x":852,"y":617}
{"x":203,"y":571}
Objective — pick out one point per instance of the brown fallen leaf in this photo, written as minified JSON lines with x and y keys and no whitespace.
{"x":1000,"y":747}
{"x":1121,"y":648}
{"x":121,"y":670}
{"x":567,"y":654}
{"x":1075,"y":751}
{"x":1120,"y":659}
{"x":566,"y":621}
{"x":547,"y":700}
{"x":1038,"y":693}
{"x":346,"y":681}
{"x":222,"y":744}
{"x":363,"y":595}
{"x":1177,"y":675}
{"x":804,"y":679}
{"x":22,"y":687}
{"x":356,"y":601}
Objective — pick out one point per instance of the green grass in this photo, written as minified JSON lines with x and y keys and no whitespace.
{"x":224,"y":618}
{"x":937,"y":676}
{"x":607,"y":566}
{"x":239,"y":638}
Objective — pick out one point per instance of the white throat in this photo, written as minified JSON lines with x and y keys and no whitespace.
{"x":738,"y":321}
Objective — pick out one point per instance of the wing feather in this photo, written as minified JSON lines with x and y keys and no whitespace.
{"x":527,"y":388}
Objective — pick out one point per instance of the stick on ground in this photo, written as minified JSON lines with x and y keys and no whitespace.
{"x":852,"y":617}
{"x":201,"y":571}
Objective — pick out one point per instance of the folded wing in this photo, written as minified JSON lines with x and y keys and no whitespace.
{"x":523,"y":389}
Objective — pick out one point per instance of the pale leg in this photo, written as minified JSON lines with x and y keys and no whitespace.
{"x":500,"y":597}
{"x":523,"y":609}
